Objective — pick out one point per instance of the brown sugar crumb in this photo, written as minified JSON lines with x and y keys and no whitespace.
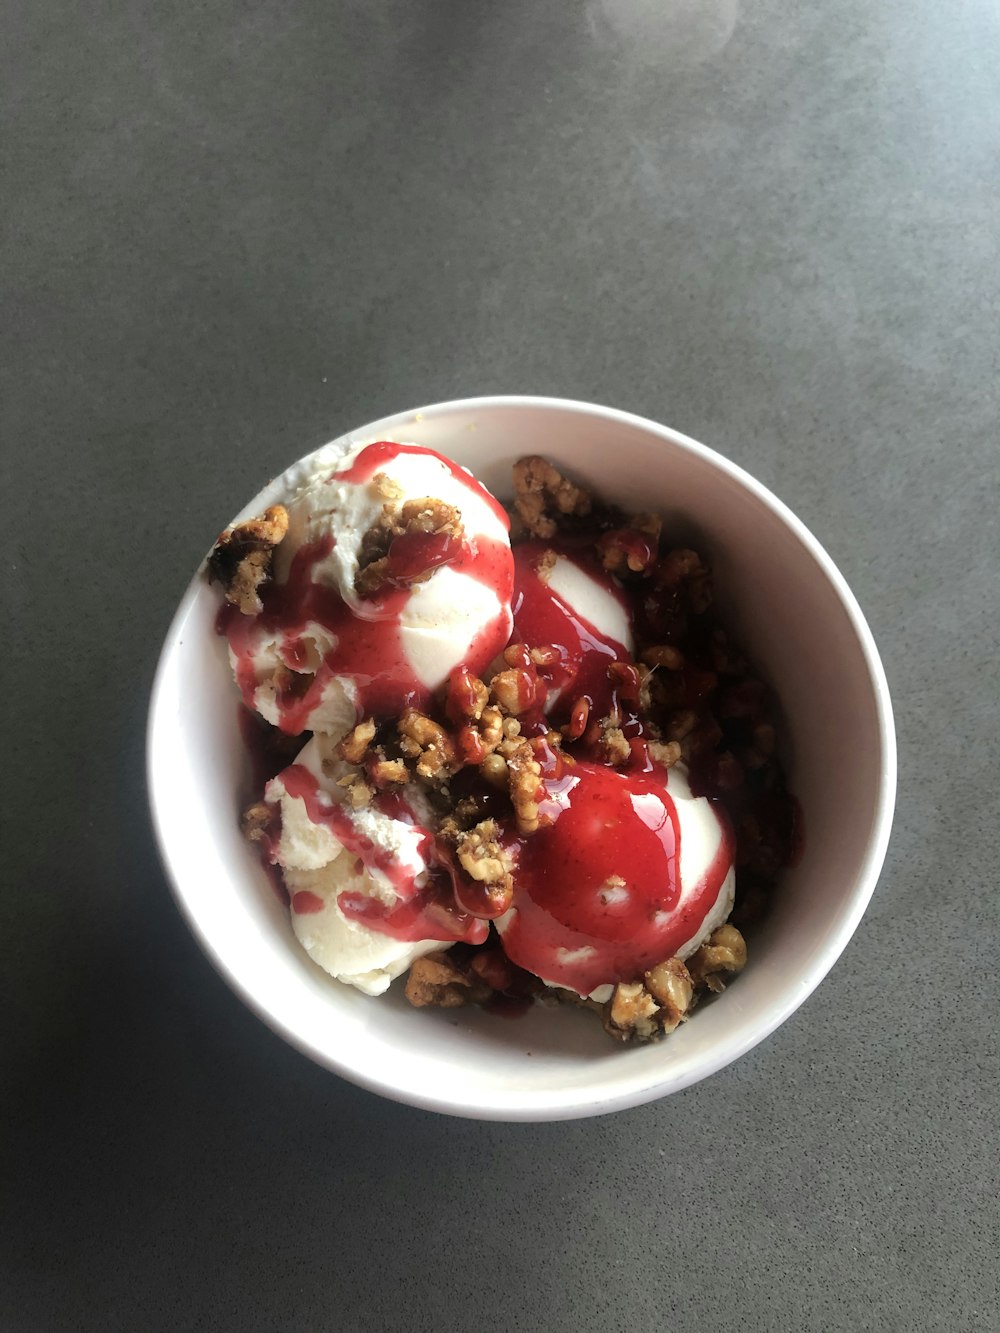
{"x":612,"y":743}
{"x":426,"y":517}
{"x":666,"y":753}
{"x":723,"y":955}
{"x":439,"y":981}
{"x":242,"y":558}
{"x":543,"y":496}
{"x":385,"y":488}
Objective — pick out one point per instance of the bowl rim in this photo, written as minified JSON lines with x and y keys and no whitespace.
{"x":725,"y":1052}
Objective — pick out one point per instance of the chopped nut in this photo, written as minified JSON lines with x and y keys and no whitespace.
{"x":359,"y":794}
{"x":467,"y":696}
{"x":491,"y":728}
{"x":385,"y":488}
{"x":256,"y":821}
{"x":670,"y":985}
{"x":678,"y":567}
{"x":426,"y":741}
{"x":488,"y":864}
{"x":425,"y":516}
{"x":243,"y":555}
{"x":524,"y":784}
{"x":724,"y":952}
{"x":664,"y":655}
{"x":543,"y":496}
{"x":355,"y":744}
{"x":631,"y":1013}
{"x":632,"y":549}
{"x":517,"y":690}
{"x":436,"y":980}
{"x":494,"y":770}
{"x":386,"y":772}
{"x":482,"y":856}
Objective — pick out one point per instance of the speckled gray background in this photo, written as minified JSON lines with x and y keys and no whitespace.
{"x":233,"y":230}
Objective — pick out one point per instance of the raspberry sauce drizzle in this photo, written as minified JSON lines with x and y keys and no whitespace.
{"x":542,"y":617}
{"x":425,"y":912}
{"x":366,"y":636}
{"x":376,"y":456}
{"x":598,"y":895}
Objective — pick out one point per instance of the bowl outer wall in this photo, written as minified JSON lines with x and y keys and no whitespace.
{"x":798,"y":619}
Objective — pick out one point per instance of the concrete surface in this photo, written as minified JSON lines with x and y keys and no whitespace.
{"x":233,"y":230}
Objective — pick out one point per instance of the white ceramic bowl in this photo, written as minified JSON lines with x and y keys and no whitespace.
{"x":796,"y":618}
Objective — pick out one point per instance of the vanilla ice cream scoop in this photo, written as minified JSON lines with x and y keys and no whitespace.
{"x":366,"y":894}
{"x":395,"y":570}
{"x":628,"y":869}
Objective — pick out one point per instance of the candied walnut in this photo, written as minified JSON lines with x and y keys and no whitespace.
{"x":671,"y":986}
{"x":494,"y":770}
{"x":380,"y":559}
{"x":426,"y":741}
{"x":242,"y":558}
{"x":494,"y":968}
{"x":256,"y":821}
{"x":524,"y":784}
{"x":482,"y":856}
{"x":355,"y":744}
{"x":664,"y":655}
{"x":542,"y":495}
{"x":435,"y":980}
{"x":518,"y":690}
{"x":632,"y":549}
{"x":724,"y":952}
{"x":684,"y":574}
{"x":359,"y":794}
{"x":632,"y":1013}
{"x":488,"y":864}
{"x":491,"y":728}
{"x":578,"y":719}
{"x":383,"y":772}
{"x":466,"y":696}
{"x":679,"y":567}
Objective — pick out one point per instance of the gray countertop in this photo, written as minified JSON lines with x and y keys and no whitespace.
{"x":234,"y":231}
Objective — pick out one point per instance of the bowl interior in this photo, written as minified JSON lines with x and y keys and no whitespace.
{"x":791,"y":612}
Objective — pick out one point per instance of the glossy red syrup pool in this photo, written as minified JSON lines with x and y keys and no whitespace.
{"x":366,"y":638}
{"x":427,"y":912}
{"x":542,"y":618}
{"x":598,"y":896}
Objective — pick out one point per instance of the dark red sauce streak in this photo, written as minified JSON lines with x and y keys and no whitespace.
{"x":369,"y":648}
{"x":425,"y":913}
{"x":604,"y":824}
{"x":542,"y":617}
{"x":376,"y":456}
